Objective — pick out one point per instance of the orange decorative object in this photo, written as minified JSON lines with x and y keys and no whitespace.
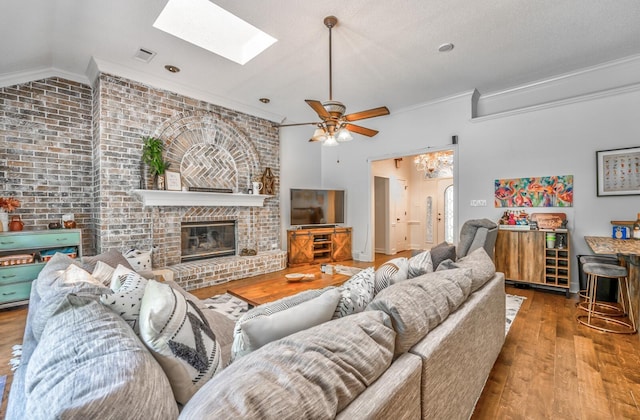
{"x":16,"y":224}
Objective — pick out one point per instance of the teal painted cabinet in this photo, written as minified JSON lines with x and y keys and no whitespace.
{"x":35,"y":246}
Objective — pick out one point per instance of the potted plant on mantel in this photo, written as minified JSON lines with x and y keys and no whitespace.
{"x":156,"y":165}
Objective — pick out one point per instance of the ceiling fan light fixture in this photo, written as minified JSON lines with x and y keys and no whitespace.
{"x":330,"y":142}
{"x":319,"y":135}
{"x":343,"y":135}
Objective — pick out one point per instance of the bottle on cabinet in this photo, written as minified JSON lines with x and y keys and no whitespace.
{"x":636,"y":228}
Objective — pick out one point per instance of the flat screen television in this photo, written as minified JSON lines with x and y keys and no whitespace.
{"x":311,"y":207}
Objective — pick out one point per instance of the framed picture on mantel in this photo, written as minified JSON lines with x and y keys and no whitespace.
{"x":174,"y":183}
{"x":618,"y":171}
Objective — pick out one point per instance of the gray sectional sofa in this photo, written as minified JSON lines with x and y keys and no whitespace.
{"x":423,"y":348}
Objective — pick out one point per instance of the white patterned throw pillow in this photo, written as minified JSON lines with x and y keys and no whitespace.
{"x":181,"y":339}
{"x":356,"y":293}
{"x":391,"y":272}
{"x":128,"y":289}
{"x":139,"y":260}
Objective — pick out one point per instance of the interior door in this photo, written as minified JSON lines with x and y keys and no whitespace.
{"x":401,"y":204}
{"x":445,"y":211}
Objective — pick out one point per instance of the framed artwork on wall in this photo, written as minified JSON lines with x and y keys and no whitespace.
{"x":174,"y":183}
{"x":618,"y":171}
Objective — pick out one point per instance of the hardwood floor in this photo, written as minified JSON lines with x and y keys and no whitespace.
{"x":550,"y":366}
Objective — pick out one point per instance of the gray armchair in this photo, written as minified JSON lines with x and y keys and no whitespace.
{"x":477,"y":233}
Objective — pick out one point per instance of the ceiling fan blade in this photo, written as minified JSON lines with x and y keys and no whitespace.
{"x":361,"y":130}
{"x":317,"y":106}
{"x":370,"y":113}
{"x":292,"y":125}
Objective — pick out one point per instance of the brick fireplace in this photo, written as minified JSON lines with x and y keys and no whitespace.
{"x":211,"y":147}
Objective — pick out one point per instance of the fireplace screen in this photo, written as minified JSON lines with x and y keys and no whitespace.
{"x":202,"y":240}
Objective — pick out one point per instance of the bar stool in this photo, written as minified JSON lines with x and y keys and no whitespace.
{"x":600,"y":315}
{"x":600,"y":307}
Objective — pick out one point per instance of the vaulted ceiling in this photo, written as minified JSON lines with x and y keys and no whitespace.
{"x":384,"y":52}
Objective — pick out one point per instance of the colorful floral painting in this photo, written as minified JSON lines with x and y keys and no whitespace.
{"x":544,"y":191}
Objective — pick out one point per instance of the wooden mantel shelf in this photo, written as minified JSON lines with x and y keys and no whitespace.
{"x":193,"y":199}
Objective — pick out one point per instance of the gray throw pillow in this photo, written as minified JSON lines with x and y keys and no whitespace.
{"x":280,"y":319}
{"x":441,"y":252}
{"x":481,"y":266}
{"x":89,"y":364}
{"x":416,"y":306}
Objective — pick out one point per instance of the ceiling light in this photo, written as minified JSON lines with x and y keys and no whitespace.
{"x":343,"y":135}
{"x":265,"y":100}
{"x":319,"y":135}
{"x":209,"y":26}
{"x":330,"y":142}
{"x":172,"y":69}
{"x":445,"y":47}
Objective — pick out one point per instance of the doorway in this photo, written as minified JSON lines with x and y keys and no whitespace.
{"x":414,"y":202}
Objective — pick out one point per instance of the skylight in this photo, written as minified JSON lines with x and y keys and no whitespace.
{"x":209,"y":26}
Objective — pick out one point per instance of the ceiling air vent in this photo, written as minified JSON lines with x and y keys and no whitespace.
{"x":144,"y":54}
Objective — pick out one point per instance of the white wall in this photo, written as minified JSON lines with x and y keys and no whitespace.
{"x":558,"y":138}
{"x":299,"y":167}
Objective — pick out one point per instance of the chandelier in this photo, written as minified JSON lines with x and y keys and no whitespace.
{"x":435,"y":164}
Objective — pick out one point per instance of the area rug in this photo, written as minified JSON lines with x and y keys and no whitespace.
{"x":16,"y":352}
{"x":228,"y":305}
{"x":513,"y":306}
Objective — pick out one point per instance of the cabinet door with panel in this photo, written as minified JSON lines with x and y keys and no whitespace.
{"x":531,"y":256}
{"x":300,"y":247}
{"x":341,"y":240}
{"x":520,"y":255}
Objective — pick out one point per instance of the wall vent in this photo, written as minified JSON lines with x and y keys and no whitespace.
{"x":144,"y":54}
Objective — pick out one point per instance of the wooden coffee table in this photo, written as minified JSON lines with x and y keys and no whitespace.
{"x":274,"y":289}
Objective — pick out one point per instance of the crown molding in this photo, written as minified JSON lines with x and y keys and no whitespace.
{"x":18,"y":78}
{"x":561,"y":102}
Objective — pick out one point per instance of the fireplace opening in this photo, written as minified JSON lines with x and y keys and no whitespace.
{"x":201,"y":240}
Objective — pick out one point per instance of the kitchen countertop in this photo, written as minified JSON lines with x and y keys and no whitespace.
{"x":606,"y":245}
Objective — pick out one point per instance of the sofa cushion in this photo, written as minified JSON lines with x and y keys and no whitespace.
{"x":416,"y":306}
{"x":128,"y":289}
{"x":481,"y":265}
{"x":88,"y":363}
{"x":356,"y":293}
{"x":391,"y":272}
{"x":420,"y":264}
{"x":442,"y":251}
{"x":180,"y":338}
{"x":272,"y":321}
{"x":312,"y":374}
{"x":112,"y":258}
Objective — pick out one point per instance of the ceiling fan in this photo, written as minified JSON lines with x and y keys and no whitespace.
{"x":335,"y":126}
